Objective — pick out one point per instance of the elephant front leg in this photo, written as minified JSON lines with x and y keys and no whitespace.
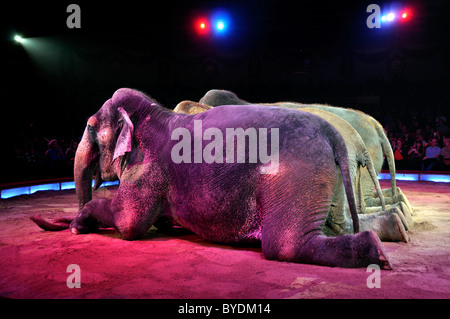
{"x":131,"y":215}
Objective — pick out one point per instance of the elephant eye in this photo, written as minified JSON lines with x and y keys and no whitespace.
{"x":91,"y":130}
{"x":119,"y":125}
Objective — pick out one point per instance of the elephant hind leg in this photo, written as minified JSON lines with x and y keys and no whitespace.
{"x":389,"y":225}
{"x":347,"y":251}
{"x":373,"y":200}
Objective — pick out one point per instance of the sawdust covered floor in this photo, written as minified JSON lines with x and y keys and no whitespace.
{"x":34,"y":262}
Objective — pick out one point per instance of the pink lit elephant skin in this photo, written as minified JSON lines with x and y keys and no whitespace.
{"x":389,"y":224}
{"x":369,"y":129}
{"x":131,"y":138}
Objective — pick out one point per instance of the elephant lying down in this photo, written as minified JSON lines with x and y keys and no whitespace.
{"x":213,"y":188}
{"x":368,"y":128}
{"x":390,"y":225}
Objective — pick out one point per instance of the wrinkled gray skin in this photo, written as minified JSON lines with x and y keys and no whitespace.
{"x":129,"y":138}
{"x":388,"y":224}
{"x":368,"y":128}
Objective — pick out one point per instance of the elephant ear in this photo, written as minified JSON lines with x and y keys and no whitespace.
{"x":124,"y":141}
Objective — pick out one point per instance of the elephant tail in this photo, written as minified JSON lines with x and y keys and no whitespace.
{"x":373,"y":175}
{"x":341,"y":157}
{"x":53,"y":225}
{"x":387,"y":151}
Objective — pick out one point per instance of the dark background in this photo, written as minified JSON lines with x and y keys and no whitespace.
{"x":305,"y":51}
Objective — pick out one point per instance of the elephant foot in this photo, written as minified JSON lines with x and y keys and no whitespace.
{"x":370,"y":250}
{"x":399,"y":199}
{"x":402,"y":198}
{"x":407,"y":214}
{"x":388,"y":225}
{"x":403,"y":213}
{"x":83,"y":227}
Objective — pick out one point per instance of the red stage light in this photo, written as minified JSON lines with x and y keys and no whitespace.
{"x":202,"y":26}
{"x":405,"y":15}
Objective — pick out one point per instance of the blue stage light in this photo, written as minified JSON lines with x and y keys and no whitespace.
{"x":45,"y":187}
{"x":221,"y":22}
{"x":220,"y":25}
{"x":67,"y":185}
{"x":435,"y":178}
{"x":8,"y":193}
{"x":406,"y":177}
{"x":104,"y":184}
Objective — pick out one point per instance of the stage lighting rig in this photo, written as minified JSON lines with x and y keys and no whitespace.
{"x":387,"y":17}
{"x":215,"y":23}
{"x":395,"y":16}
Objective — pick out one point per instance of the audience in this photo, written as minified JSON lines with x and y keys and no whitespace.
{"x":431,"y":159}
{"x":445,"y":155}
{"x":70,"y":152}
{"x":415,"y":155}
{"x":423,"y":134}
{"x":400,"y":153}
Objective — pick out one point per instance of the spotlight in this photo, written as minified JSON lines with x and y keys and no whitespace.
{"x":390,"y":16}
{"x":220,"y":25}
{"x":406,"y":15}
{"x":201,"y":25}
{"x":18,"y":38}
{"x":221,"y":22}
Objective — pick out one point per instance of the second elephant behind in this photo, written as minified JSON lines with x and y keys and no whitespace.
{"x":370,"y":130}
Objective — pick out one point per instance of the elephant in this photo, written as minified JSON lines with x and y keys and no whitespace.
{"x":283,"y":206}
{"x":190,"y":107}
{"x":370,"y":130}
{"x":390,"y":225}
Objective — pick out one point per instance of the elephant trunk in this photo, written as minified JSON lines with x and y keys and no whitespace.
{"x":86,"y":159}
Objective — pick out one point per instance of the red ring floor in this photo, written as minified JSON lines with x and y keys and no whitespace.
{"x":34,"y":263}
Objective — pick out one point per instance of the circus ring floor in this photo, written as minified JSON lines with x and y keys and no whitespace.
{"x":181,"y":265}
